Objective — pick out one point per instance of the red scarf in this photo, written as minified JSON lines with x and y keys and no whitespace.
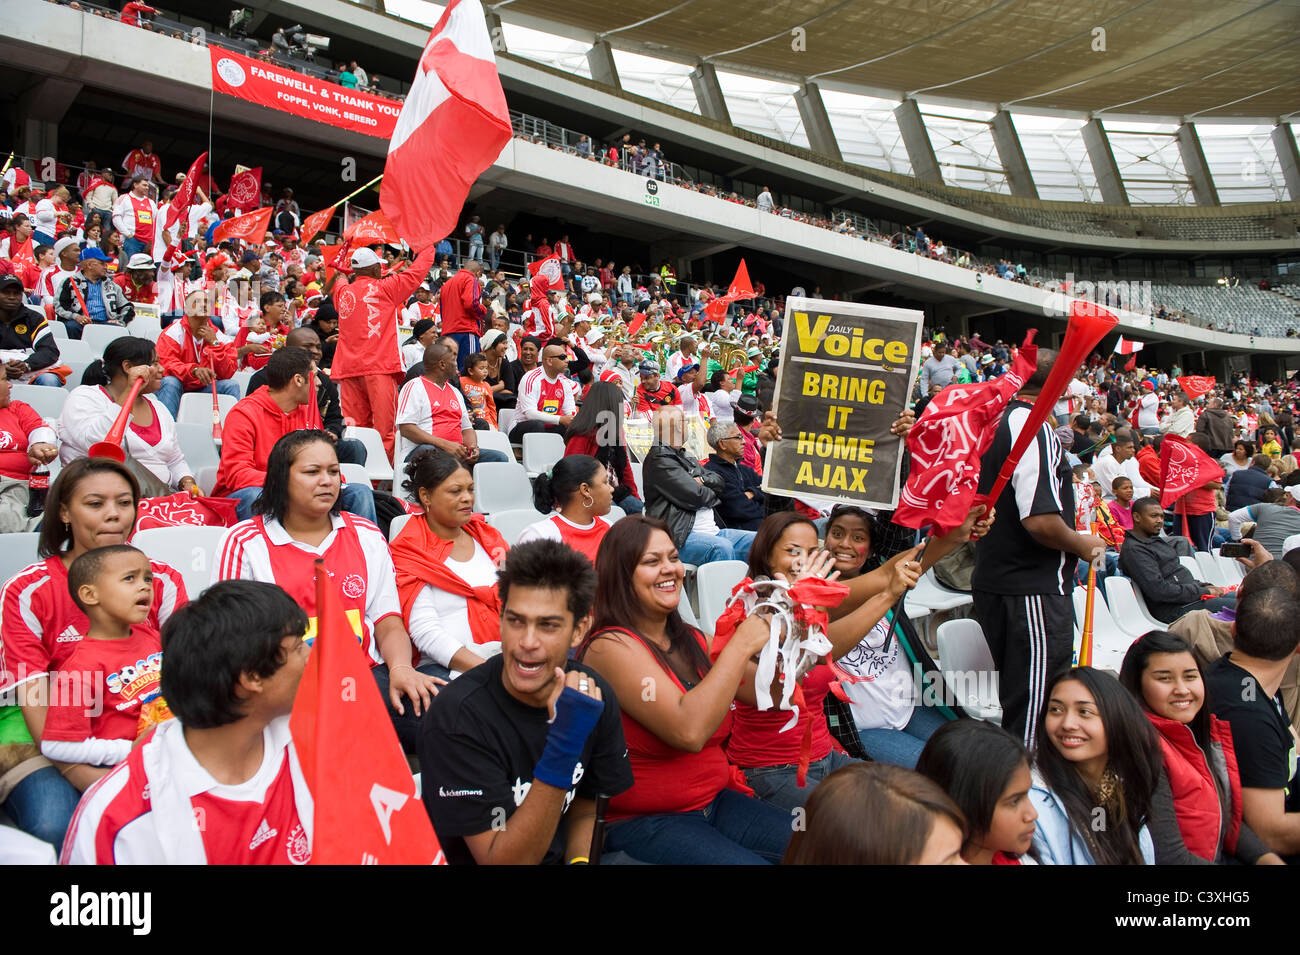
{"x":419,"y":558}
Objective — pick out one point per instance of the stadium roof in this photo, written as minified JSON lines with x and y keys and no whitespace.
{"x":1199,"y":59}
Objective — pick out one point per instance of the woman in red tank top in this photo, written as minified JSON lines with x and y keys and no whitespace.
{"x":676,"y":712}
{"x":578,"y":491}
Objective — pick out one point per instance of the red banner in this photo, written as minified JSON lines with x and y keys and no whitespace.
{"x":1196,"y":385}
{"x":289,"y":91}
{"x":373,"y":228}
{"x":315,"y":223}
{"x":250,"y":227}
{"x":245,"y":190}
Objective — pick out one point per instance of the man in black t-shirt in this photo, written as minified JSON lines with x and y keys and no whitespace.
{"x":1024,"y":568}
{"x":1242,"y":687}
{"x":515,"y":751}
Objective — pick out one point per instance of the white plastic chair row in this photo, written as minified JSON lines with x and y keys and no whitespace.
{"x":501,"y":486}
{"x":377,"y":466}
{"x":1128,"y":608}
{"x":495,"y":441}
{"x":968,"y":668}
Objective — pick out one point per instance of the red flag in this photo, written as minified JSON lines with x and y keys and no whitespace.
{"x":1123,"y":347}
{"x":315,"y":223}
{"x":251,"y":227}
{"x":1196,"y":385}
{"x":180,"y":509}
{"x":185,"y":194}
{"x":373,"y":228}
{"x":635,"y":325}
{"x":365,"y":808}
{"x":740,"y":287}
{"x":1184,"y":467}
{"x":947,"y":442}
{"x":454,"y":124}
{"x":245,"y":190}
{"x":1088,"y":325}
{"x":544,"y":275}
{"x":1131,"y":363}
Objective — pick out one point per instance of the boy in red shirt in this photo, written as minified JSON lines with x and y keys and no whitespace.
{"x":105,"y":694}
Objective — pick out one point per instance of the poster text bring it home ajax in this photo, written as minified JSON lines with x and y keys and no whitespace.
{"x":846,"y":372}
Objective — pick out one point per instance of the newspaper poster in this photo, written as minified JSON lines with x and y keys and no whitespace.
{"x":846,"y":371}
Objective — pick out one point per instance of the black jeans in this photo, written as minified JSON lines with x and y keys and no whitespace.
{"x":407,"y":724}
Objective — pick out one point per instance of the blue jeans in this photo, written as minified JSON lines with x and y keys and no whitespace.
{"x":133,"y":246}
{"x":350,"y":451}
{"x":494,"y":256}
{"x":903,"y":747}
{"x":632,"y":505}
{"x":731,"y":830}
{"x":49,"y":379}
{"x":171,"y":389}
{"x":42,"y":805}
{"x":357,"y":499}
{"x":475,"y":252}
{"x":779,"y":785}
{"x":406,"y":724}
{"x":491,"y":456}
{"x":730,"y":544}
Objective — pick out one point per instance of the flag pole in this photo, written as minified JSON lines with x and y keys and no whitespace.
{"x":361,"y":190}
{"x":1085,"y":641}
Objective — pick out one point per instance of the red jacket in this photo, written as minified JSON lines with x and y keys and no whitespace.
{"x":180,"y":353}
{"x":1149,"y":465}
{"x":1196,"y":798}
{"x":146,"y":293}
{"x":461,"y":299}
{"x":251,"y":429}
{"x":368,"y":312}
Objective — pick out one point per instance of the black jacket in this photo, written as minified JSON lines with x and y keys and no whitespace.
{"x":1152,"y":564}
{"x":671,"y":492}
{"x":734,"y":508}
{"x":35,"y":336}
{"x":1247,"y":487}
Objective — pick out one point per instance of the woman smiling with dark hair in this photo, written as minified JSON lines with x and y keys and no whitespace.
{"x":298,"y":522}
{"x":676,"y":711}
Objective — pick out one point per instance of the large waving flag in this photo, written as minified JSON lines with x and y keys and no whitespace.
{"x":1184,"y":467}
{"x":1196,"y":385}
{"x":947,"y":442}
{"x":185,"y":194}
{"x":544,"y":275}
{"x":1128,"y":346}
{"x":453,"y":125}
{"x":251,"y":227}
{"x":375,"y":227}
{"x":740,"y":288}
{"x":366,"y":808}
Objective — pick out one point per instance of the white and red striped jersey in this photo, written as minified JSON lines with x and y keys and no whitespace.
{"x":161,"y":807}
{"x":542,"y":398}
{"x":41,"y":626}
{"x":356,"y":557}
{"x":437,"y":410}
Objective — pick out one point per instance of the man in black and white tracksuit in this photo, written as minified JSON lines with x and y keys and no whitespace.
{"x":1024,"y":567}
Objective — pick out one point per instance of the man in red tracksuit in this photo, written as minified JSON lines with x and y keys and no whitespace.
{"x":255,"y":424}
{"x":463,"y":314}
{"x":368,"y":360}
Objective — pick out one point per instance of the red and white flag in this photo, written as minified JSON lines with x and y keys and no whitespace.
{"x":315,"y":223}
{"x":185,"y":194}
{"x":1196,"y":385}
{"x":245,"y":190}
{"x":1127,"y":347}
{"x":947,"y":443}
{"x":544,"y":275}
{"x":1184,"y":467}
{"x":375,"y":227}
{"x":365,"y":810}
{"x":251,"y":227}
{"x":453,"y":125}
{"x":180,"y":509}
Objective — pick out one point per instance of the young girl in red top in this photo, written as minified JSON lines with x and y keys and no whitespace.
{"x":578,"y":490}
{"x":985,"y":771}
{"x":676,"y":712}
{"x":478,"y":392}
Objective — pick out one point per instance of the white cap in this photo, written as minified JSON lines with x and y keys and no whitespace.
{"x":63,"y":243}
{"x":141,"y":260}
{"x":364,"y":258}
{"x":594,"y":297}
{"x":595,"y":334}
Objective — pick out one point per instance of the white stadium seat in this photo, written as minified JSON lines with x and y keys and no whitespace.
{"x":46,"y":402}
{"x":98,"y":337}
{"x":501,"y":486}
{"x":713,"y":584}
{"x":495,"y":441}
{"x":191,"y":549}
{"x":541,"y":451}
{"x":196,"y":407}
{"x":964,"y":657}
{"x":377,"y":465}
{"x":512,"y":523}
{"x":19,"y":550}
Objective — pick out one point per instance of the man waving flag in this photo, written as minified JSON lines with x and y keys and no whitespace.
{"x":453,"y":124}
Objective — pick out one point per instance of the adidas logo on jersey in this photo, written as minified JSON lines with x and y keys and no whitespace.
{"x":70,"y":635}
{"x":263,"y":833}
